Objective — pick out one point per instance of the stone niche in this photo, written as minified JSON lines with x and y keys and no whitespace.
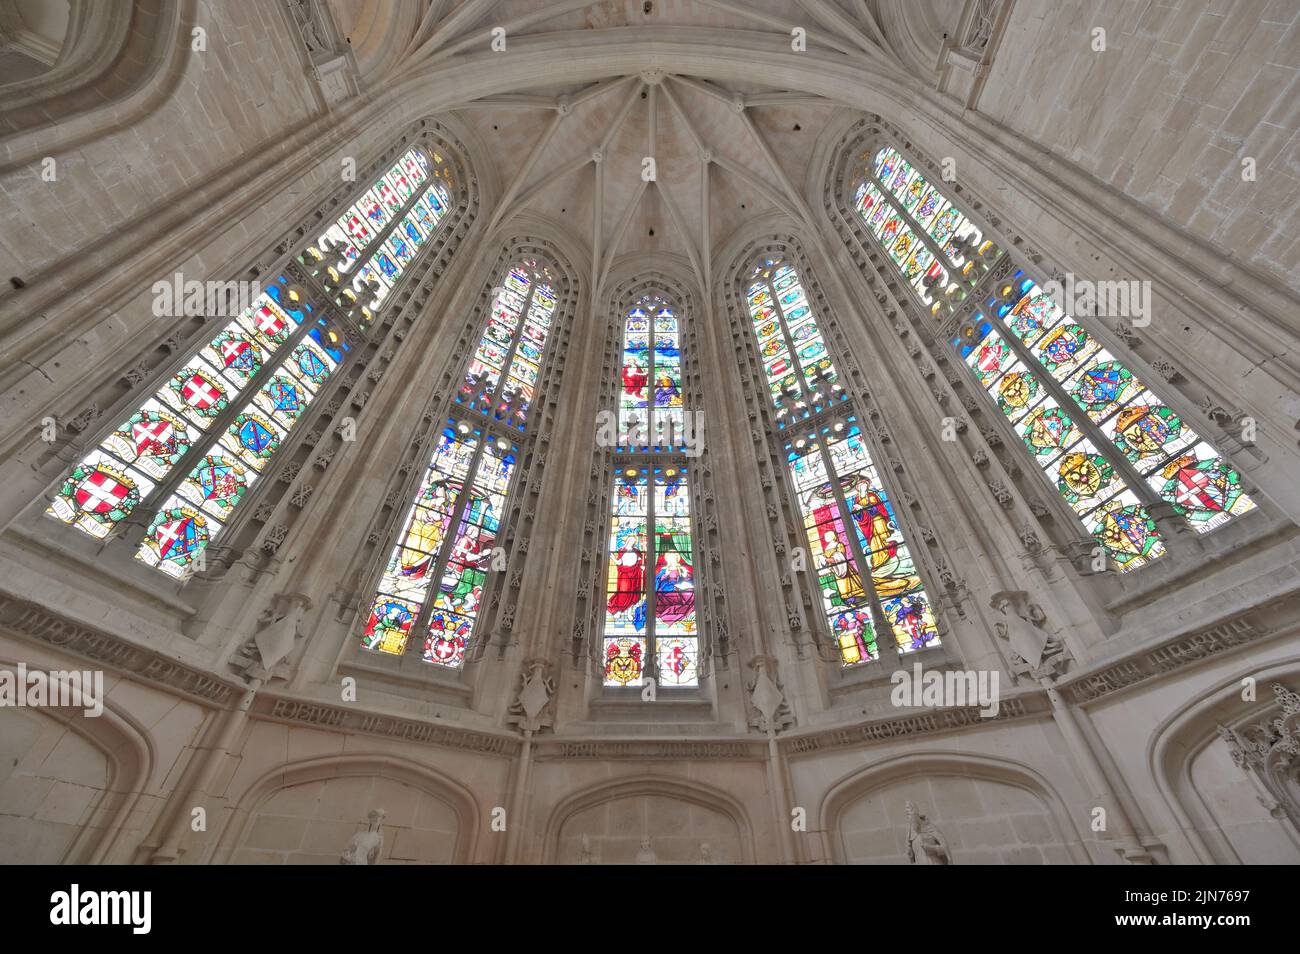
{"x":51,"y":781}
{"x":312,"y":822}
{"x":983,"y":820}
{"x":677,"y":829}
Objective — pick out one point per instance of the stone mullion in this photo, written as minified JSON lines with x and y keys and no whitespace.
{"x":650,"y":665}
{"x":503,"y":380}
{"x":863,"y":559}
{"x":373,"y":247}
{"x":426,"y":134}
{"x":925,"y":238}
{"x":785,"y":334}
{"x":878,"y":142}
{"x":650,"y":381}
{"x":447,"y":544}
{"x":377,"y":244}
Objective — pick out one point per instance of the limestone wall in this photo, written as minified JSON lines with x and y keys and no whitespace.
{"x":1182,"y":93}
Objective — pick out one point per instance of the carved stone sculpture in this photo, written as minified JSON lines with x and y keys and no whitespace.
{"x":771,"y":712}
{"x":366,"y":846}
{"x":535,"y":694}
{"x":647,"y":856}
{"x":1268,"y":751}
{"x":925,"y":844}
{"x":1034,"y":651}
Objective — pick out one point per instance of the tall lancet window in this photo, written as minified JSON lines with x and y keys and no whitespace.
{"x":650,"y":614}
{"x":434,"y":580}
{"x":192,"y":451}
{"x":931,"y":242}
{"x":372,"y":244}
{"x":864,"y":570}
{"x":650,"y":409}
{"x":1106,"y":442}
{"x":796,"y":363}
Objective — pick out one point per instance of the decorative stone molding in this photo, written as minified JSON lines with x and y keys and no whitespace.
{"x":301,"y":712}
{"x":769,"y":710}
{"x":1183,"y":651}
{"x":929,"y":723}
{"x":749,"y":751}
{"x":63,"y":634}
{"x":1035,"y":652}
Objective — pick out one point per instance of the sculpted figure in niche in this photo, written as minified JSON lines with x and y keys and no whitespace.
{"x":646,"y":856}
{"x":366,"y":846}
{"x":925,"y":845}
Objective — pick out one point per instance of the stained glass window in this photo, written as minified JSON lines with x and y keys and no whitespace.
{"x":1107,"y":444}
{"x":464,"y":488}
{"x":433,"y":583}
{"x":850,"y":524}
{"x":650,"y":627}
{"x":934,"y":246}
{"x":650,"y":410}
{"x":848,"y":518}
{"x":502,"y":376}
{"x":650,"y":585}
{"x":801,"y":377}
{"x":205,"y":405}
{"x":384,"y":230}
{"x":191,"y":452}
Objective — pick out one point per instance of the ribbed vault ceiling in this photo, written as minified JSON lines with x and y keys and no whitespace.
{"x":722,"y":154}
